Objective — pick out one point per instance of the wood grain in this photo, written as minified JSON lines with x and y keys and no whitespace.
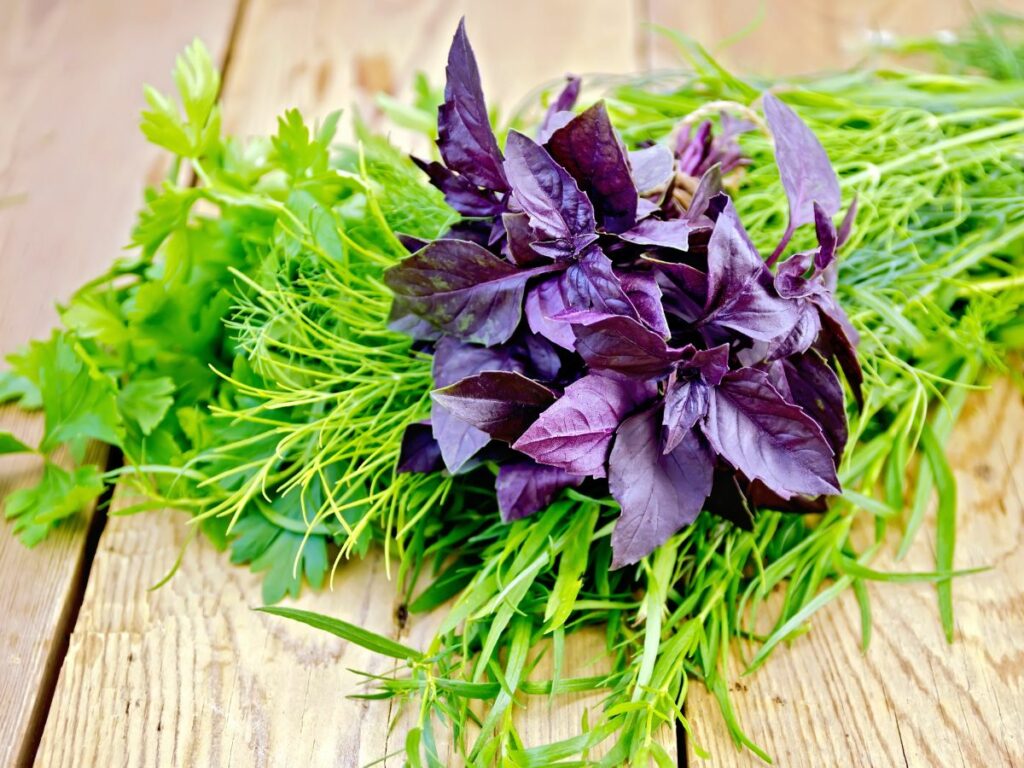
{"x":189,"y":675}
{"x":788,"y":37}
{"x":911,"y":700}
{"x":72,"y":169}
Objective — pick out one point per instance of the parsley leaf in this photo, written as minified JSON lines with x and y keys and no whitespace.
{"x":198,"y":84}
{"x":146,"y":401}
{"x":58,"y":495}
{"x":10,"y":444}
{"x":78,"y":401}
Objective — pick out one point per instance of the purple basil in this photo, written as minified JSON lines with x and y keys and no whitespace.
{"x":560,"y":214}
{"x":602,"y":314}
{"x":807,"y":175}
{"x":465,"y":137}
{"x":741,"y":296}
{"x":559,"y":113}
{"x":454,"y":360}
{"x":589,"y":150}
{"x":526,"y":487}
{"x":575,"y":432}
{"x":501,"y":403}
{"x":659,"y":492}
{"x":623,"y":345}
{"x":463,"y":289}
{"x":750,"y":425}
{"x":653,"y":169}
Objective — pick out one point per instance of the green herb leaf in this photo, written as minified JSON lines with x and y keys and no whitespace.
{"x":10,"y":444}
{"x":58,"y":495}
{"x":146,"y":401}
{"x":78,"y":401}
{"x":371,"y":641}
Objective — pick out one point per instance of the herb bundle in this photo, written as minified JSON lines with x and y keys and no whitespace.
{"x":241,"y":360}
{"x":691,"y":371}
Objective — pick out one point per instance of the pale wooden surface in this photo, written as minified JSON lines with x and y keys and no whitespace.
{"x":792,"y":37}
{"x":72,"y":167}
{"x":188,"y":675}
{"x":912,"y":699}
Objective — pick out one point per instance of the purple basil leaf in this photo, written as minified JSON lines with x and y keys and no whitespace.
{"x":575,"y":432}
{"x":659,"y":493}
{"x":587,"y":291}
{"x":520,"y":237}
{"x":814,"y":386}
{"x":686,"y":402}
{"x":711,"y":364}
{"x":803,"y":336}
{"x":645,"y":208}
{"x":559,"y":212}
{"x":465,"y":137}
{"x":410,"y":243}
{"x":846,"y":225}
{"x":740,"y":292}
{"x":807,"y":175}
{"x":557,"y":121}
{"x":674,"y":233}
{"x":544,"y":302}
{"x":526,"y":487}
{"x":591,"y":284}
{"x":541,"y":355}
{"x":402,"y":320}
{"x":623,"y":345}
{"x":684,"y":289}
{"x":461,"y":194}
{"x":644,"y":294}
{"x":558,"y":112}
{"x":692,"y":149}
{"x":454,"y":360}
{"x":501,"y":403}
{"x":463,"y":289}
{"x":589,"y":150}
{"x":420,"y":451}
{"x":827,"y":239}
{"x":752,"y":427}
{"x":791,"y":281}
{"x":653,"y":168}
{"x":839,"y":339}
{"x":708,"y":187}
{"x":566,"y":98}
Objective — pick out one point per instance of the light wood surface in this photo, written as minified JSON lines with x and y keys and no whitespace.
{"x":911,"y":700}
{"x":72,"y":169}
{"x":188,"y":674}
{"x":794,"y":37}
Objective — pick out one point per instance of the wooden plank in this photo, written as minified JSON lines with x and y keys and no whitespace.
{"x":786,"y":37}
{"x":72,"y":166}
{"x":188,"y":674}
{"x":912,"y":700}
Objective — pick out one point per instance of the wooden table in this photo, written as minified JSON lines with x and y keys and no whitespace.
{"x":98,"y":670}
